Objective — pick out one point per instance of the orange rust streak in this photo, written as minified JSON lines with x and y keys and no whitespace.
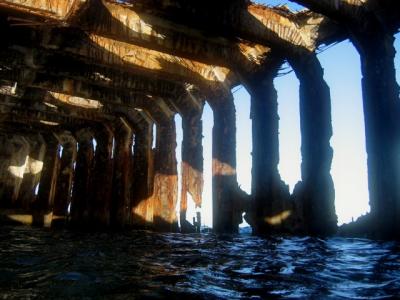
{"x":192,"y":182}
{"x":165,"y":194}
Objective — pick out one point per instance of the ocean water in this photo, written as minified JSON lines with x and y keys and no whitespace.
{"x":45,"y":264}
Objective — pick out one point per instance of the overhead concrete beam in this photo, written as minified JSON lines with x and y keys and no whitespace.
{"x":27,"y":106}
{"x":357,"y":11}
{"x":24,"y":62}
{"x":80,"y":94}
{"x":337,"y":9}
{"x":108,"y":52}
{"x":258,"y":24}
{"x":57,"y":10}
{"x":126,"y":24}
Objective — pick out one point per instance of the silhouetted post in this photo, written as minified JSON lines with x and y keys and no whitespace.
{"x":192,"y":162}
{"x":64,"y":180}
{"x":12,"y":165}
{"x":382,"y":127}
{"x":165,"y":177}
{"x":83,"y":171}
{"x":226,"y":215}
{"x":315,"y":193}
{"x":270,"y":207}
{"x":101,"y":178}
{"x":143,"y":178}
{"x":121,"y":202}
{"x":43,"y":205}
{"x":32,"y":172}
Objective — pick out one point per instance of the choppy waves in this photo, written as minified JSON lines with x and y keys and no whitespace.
{"x":43,"y":264}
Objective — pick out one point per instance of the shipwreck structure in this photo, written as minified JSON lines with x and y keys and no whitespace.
{"x":77,"y":71}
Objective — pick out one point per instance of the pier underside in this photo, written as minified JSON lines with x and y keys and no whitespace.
{"x":86,"y":85}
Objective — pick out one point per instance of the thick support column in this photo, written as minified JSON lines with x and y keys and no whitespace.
{"x":13,"y":160}
{"x":165,"y":178}
{"x":42,"y":208}
{"x":64,"y":180}
{"x":192,"y":164}
{"x":315,"y":193}
{"x":227,"y":208}
{"x":382,"y":129}
{"x":83,"y":172}
{"x":101,"y":178}
{"x":270,"y":206}
{"x":32,"y":173}
{"x":121,"y":202}
{"x":143,"y":175}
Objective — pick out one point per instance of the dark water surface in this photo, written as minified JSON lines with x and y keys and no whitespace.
{"x":38,"y":263}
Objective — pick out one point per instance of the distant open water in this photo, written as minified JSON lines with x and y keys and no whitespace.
{"x":45,"y":264}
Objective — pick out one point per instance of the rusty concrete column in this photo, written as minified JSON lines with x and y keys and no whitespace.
{"x":83,"y":172}
{"x":270,"y":207}
{"x":315,"y":193}
{"x":121,"y":202}
{"x":226,"y":207}
{"x":192,"y":162}
{"x":143,"y":177}
{"x":64,"y":181}
{"x":382,"y":128}
{"x":101,"y":178}
{"x":33,"y":170}
{"x":165,"y":177}
{"x":13,"y":161}
{"x":43,"y":205}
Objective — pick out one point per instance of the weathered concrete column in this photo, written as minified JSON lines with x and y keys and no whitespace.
{"x":65,"y":177}
{"x":143,"y":177}
{"x":83,"y":172}
{"x":33,"y":170}
{"x":165,"y":177}
{"x":192,"y":163}
{"x":101,"y":178}
{"x":382,"y":129}
{"x":42,"y":207}
{"x":227,"y":208}
{"x":13,"y":159}
{"x":315,"y":193}
{"x":121,"y":202}
{"x":270,"y":207}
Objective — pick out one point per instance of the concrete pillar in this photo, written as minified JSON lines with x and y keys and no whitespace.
{"x":165,"y":177}
{"x":143,"y":177}
{"x":121,"y":202}
{"x":13,"y":160}
{"x":226,"y":207}
{"x":33,"y":170}
{"x":101,"y":178}
{"x":42,"y":207}
{"x":270,"y":208}
{"x":192,"y":164}
{"x":83,"y":172}
{"x":64,"y":181}
{"x":382,"y":129}
{"x":315,"y":193}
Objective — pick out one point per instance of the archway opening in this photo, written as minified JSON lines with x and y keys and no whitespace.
{"x":287,"y":86}
{"x":206,"y":207}
{"x":397,"y":58}
{"x":179,"y":138}
{"x":244,"y":144}
{"x":349,"y":166}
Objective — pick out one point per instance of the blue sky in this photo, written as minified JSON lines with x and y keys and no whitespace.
{"x":341,"y":65}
